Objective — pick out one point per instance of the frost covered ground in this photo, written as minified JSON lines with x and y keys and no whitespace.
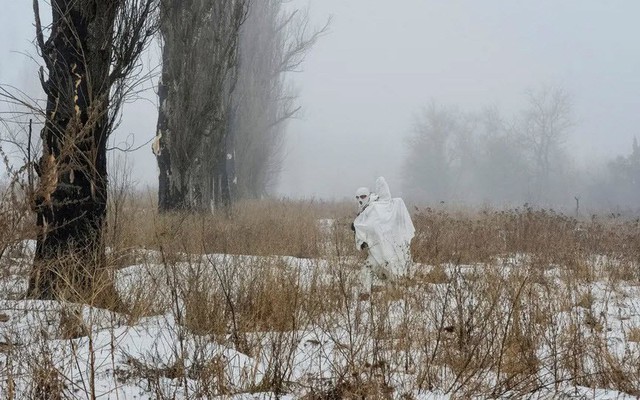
{"x":448,"y":332}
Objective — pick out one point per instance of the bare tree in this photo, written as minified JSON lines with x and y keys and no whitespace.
{"x":429,"y":167}
{"x":91,"y":51}
{"x":273,"y":42}
{"x":199,"y":59}
{"x":502,"y":172}
{"x":622,"y":186}
{"x":543,"y":129}
{"x":458,"y":156}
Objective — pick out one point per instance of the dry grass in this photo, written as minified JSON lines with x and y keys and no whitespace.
{"x":502,"y":302}
{"x":48,"y":382}
{"x":547,"y":236}
{"x":634,"y":335}
{"x":258,"y":228}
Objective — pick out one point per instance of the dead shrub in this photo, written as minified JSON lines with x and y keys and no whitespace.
{"x":204,"y":311}
{"x":47,"y":383}
{"x":633,"y":335}
{"x":270,"y":300}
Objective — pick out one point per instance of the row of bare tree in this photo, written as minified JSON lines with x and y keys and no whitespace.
{"x":224,"y":98}
{"x":223,"y":103}
{"x":487,"y":158}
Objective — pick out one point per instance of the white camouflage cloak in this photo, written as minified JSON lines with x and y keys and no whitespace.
{"x":385,"y":225}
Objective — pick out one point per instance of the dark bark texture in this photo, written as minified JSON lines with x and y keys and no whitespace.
{"x":72,"y":198}
{"x":199,"y":39}
{"x":91,"y":49}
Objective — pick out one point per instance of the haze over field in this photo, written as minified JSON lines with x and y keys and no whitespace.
{"x":187,"y":250}
{"x":364,"y":82}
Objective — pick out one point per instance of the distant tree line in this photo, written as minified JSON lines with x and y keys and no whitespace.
{"x":487,"y":158}
{"x":616,"y":187}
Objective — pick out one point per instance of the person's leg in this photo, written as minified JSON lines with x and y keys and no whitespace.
{"x":382,"y":273}
{"x":384,"y":277}
{"x":365,"y":278}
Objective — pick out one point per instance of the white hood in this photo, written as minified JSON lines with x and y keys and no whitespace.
{"x":382,"y":189}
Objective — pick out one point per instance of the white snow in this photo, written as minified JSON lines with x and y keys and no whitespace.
{"x":121,"y":358}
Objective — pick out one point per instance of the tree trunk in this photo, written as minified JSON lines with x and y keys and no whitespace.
{"x":198,"y":72}
{"x":71,"y":200}
{"x":171,"y":189}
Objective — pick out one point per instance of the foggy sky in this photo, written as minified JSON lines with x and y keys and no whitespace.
{"x":364,"y":82}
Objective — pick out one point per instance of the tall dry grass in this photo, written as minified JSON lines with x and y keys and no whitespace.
{"x":503,"y":303}
{"x":547,"y":235}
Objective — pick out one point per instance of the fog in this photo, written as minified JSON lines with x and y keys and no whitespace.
{"x":366,"y":81}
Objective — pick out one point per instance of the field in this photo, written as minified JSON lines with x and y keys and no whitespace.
{"x":518,"y":303}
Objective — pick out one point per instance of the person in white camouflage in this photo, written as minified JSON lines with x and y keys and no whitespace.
{"x":384,"y":229}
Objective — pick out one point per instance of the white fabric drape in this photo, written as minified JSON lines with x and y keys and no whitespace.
{"x":385,"y":225}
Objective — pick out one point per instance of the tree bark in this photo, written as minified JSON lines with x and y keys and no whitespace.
{"x":198,"y":71}
{"x":71,"y":200}
{"x":171,"y":195}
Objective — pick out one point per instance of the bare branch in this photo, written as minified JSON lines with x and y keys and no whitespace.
{"x":39,"y":35}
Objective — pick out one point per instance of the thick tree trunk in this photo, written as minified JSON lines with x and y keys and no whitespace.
{"x":71,"y":200}
{"x":198,"y":72}
{"x":199,"y":182}
{"x":171,"y":189}
{"x":174,"y":154}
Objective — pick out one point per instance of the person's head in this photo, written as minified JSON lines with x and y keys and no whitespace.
{"x":363,"y":197}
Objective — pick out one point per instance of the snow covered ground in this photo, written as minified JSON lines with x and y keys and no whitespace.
{"x":425,"y":339}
